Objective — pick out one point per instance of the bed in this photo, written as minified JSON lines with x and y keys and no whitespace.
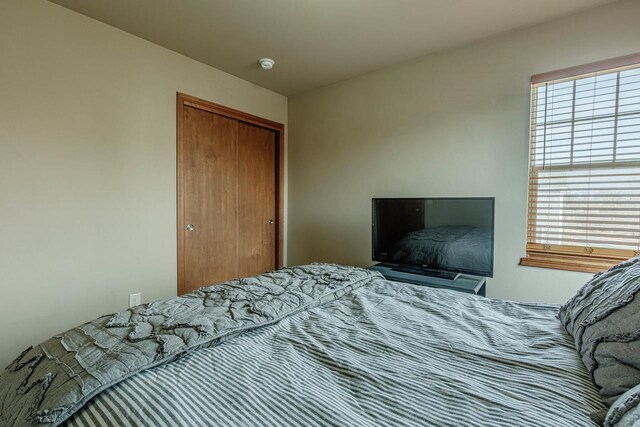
{"x":466,"y":247}
{"x":314,"y":345}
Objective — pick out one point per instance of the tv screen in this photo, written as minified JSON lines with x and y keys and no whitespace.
{"x":449,"y":234}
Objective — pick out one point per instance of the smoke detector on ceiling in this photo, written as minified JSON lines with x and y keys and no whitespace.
{"x":266,"y":63}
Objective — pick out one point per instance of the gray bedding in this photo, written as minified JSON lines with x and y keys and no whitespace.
{"x":50,"y":382}
{"x":463,"y":247}
{"x":314,"y":345}
{"x":382,"y":354}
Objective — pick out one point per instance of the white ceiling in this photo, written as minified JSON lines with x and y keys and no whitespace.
{"x":317,"y":42}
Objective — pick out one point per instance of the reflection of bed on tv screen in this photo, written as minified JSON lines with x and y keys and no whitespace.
{"x":449,"y":234}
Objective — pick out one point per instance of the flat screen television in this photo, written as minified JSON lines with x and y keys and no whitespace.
{"x":448,"y":234}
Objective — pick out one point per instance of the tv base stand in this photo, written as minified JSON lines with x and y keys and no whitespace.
{"x":461,"y":282}
{"x":427,"y":272}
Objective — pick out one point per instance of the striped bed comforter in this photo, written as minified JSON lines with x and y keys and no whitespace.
{"x":384,"y":354}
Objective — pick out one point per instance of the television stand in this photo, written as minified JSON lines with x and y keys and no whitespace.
{"x":463,"y":283}
{"x":426,"y":271}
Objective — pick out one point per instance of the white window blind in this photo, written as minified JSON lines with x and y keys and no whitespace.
{"x":584,"y":167}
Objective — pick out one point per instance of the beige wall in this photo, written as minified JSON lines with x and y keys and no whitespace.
{"x":451,"y":124}
{"x":87,"y":166}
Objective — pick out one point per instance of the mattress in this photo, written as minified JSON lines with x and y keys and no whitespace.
{"x":383,"y":354}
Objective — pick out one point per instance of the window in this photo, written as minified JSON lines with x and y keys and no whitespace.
{"x":584,"y":166}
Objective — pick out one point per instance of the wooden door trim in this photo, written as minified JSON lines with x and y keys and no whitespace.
{"x":183,"y":100}
{"x":228,"y":112}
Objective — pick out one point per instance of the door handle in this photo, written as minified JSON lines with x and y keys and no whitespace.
{"x":191,"y":227}
{"x":270,"y":222}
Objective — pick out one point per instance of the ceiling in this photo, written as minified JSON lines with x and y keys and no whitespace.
{"x":317,"y":42}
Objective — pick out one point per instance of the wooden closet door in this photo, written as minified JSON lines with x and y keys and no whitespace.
{"x":256,"y":200}
{"x":210,"y":192}
{"x":230,"y":186}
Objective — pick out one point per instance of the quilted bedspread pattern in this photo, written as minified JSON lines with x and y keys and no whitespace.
{"x":47,"y":383}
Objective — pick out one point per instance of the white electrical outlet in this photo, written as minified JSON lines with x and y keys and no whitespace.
{"x":135,"y":299}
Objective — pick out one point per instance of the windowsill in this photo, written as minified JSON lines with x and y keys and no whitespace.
{"x":585,"y":264}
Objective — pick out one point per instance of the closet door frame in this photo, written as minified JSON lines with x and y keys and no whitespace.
{"x":183,"y":101}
